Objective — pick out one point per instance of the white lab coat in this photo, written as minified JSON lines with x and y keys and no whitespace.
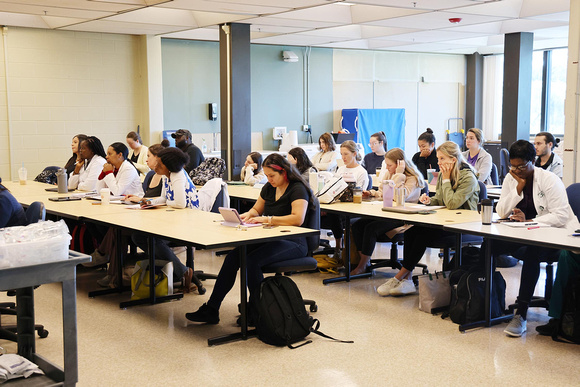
{"x":88,"y":176}
{"x":550,"y":200}
{"x":126,"y":182}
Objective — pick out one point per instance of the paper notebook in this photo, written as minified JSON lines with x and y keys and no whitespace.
{"x":525,"y":224}
{"x":413,"y":209}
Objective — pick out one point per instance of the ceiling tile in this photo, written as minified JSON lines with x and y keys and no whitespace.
{"x":526,"y":25}
{"x":417,"y":4}
{"x":540,"y":7}
{"x":507,"y":9}
{"x":154,"y":15}
{"x":116,"y":6}
{"x":53,"y":11}
{"x":57,"y":22}
{"x":293,"y":40}
{"x":275,"y":21}
{"x":433,"y":20}
{"x":281,"y":3}
{"x":224,"y":7}
{"x":330,"y":12}
{"x":18,"y":19}
{"x":196,"y":34}
{"x":122,"y":28}
{"x":360,"y":44}
{"x":365,"y":13}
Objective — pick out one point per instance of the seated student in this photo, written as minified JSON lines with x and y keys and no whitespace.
{"x":179,"y":192}
{"x":376,"y":159}
{"x":252,"y":173}
{"x":325,"y":160}
{"x":137,"y":152}
{"x":426,"y":158}
{"x":183,"y":141}
{"x":284,"y":201}
{"x":547,"y":159}
{"x":86,"y":172}
{"x":106,"y":251}
{"x":299,"y":158}
{"x":475,"y":155}
{"x":457,"y":188}
{"x":530,"y":194}
{"x":75,"y":146}
{"x":11,"y":213}
{"x":119,"y":174}
{"x":568,"y":269}
{"x":351,"y":171}
{"x":365,"y":231}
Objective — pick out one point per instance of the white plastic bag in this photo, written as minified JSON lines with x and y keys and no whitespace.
{"x":332,"y":190}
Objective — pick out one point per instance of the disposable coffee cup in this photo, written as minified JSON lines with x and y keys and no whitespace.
{"x":22,"y":175}
{"x":105,"y":196}
{"x":430,"y":175}
{"x":378,"y":172}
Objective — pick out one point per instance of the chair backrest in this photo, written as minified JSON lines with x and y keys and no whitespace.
{"x":573,"y":192}
{"x":313,"y":222}
{"x":219,"y":200}
{"x":370,"y":185}
{"x":35,"y":212}
{"x":504,"y":164}
{"x":482,"y":191}
{"x":493,"y":175}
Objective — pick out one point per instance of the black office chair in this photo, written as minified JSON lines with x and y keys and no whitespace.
{"x":370,"y":184}
{"x":34,"y":213}
{"x":447,"y":244}
{"x":504,"y":164}
{"x":301,"y":264}
{"x":494,"y":176}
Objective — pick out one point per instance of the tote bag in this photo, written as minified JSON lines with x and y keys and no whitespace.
{"x":434,"y":291}
{"x":163,"y":279}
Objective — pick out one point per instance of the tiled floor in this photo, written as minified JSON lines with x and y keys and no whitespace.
{"x":394,"y":342}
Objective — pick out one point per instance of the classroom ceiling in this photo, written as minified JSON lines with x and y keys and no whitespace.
{"x":396,"y":25}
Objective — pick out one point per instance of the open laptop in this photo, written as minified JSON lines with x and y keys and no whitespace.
{"x":233,"y":219}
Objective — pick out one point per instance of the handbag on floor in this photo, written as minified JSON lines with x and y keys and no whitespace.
{"x":434,"y":291}
{"x":140,"y":279}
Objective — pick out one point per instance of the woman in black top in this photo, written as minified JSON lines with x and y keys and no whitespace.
{"x":284,"y":201}
{"x":426,"y":158}
{"x":11,"y":212}
{"x":75,"y":146}
{"x":374,"y":160}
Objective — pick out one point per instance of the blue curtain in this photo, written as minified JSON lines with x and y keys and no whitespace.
{"x":390,"y":121}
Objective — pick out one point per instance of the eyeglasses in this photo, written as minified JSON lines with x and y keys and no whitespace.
{"x":373,"y":143}
{"x":520,"y":168}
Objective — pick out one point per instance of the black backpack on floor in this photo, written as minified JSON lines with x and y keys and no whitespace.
{"x":468,"y":295}
{"x":569,"y":328}
{"x":281,"y":318}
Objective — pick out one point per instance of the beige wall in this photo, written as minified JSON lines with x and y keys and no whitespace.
{"x":63,"y":83}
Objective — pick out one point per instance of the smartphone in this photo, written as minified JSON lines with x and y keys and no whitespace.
{"x":63,"y":199}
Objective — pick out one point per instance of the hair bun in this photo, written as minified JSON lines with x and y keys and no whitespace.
{"x":429,"y":130}
{"x":556,"y":142}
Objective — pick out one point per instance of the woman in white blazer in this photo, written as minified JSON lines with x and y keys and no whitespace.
{"x":119,"y":174}
{"x":475,"y":155}
{"x":137,"y":152}
{"x":85,"y":175}
{"x":325,"y":160}
{"x":531,"y":194}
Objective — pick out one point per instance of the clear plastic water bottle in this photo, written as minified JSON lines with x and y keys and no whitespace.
{"x":203,"y":146}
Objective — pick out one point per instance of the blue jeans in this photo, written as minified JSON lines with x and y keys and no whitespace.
{"x":162,"y":251}
{"x":257,"y":256}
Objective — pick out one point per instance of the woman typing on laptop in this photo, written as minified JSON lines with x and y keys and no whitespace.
{"x":284,"y":201}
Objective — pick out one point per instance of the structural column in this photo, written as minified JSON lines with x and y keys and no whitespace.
{"x":517,"y":86}
{"x":151,"y":95}
{"x":474,"y":91}
{"x":235,"y":96}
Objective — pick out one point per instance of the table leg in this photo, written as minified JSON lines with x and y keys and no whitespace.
{"x":120,"y":262}
{"x":69,"y":316}
{"x":244,"y":333}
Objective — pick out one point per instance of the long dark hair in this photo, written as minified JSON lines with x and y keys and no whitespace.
{"x":73,"y":159}
{"x":380,"y":136}
{"x":257,"y":158}
{"x":279,"y":163}
{"x":96,"y":146}
{"x":303,"y":163}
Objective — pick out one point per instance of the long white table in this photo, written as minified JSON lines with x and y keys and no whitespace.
{"x":552,"y":237}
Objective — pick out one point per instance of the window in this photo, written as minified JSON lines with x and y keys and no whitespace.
{"x":557,"y":93}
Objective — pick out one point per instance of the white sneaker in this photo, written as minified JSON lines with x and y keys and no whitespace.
{"x":516,"y":327}
{"x":403,"y":288}
{"x":98,"y":259}
{"x":385,"y":289}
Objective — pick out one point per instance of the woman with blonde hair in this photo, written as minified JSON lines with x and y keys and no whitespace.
{"x":367,"y":232}
{"x":457,"y":188}
{"x":325,"y":160}
{"x":476,"y":156}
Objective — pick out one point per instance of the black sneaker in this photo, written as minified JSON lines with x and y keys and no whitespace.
{"x":205,"y":314}
{"x":550,"y":328}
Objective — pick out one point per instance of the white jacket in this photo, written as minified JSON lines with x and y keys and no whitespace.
{"x":141,"y":163}
{"x":556,"y":166}
{"x":550,"y":200}
{"x":325,"y":161}
{"x":482,"y":166}
{"x":126,"y":182}
{"x":88,"y":176}
{"x":247,"y":175}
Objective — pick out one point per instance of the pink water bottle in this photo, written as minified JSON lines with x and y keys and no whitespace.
{"x":388,"y":193}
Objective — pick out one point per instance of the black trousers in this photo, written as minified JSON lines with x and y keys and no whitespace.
{"x":367,"y":232}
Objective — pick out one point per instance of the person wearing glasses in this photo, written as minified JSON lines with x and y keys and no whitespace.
{"x":530,"y":194}
{"x":426,"y":158}
{"x":325,"y":160}
{"x":376,"y":159}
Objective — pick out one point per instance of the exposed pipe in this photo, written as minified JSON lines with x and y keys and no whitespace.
{"x":7,"y":86}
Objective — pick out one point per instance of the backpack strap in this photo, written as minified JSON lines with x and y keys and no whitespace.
{"x":315,"y":330}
